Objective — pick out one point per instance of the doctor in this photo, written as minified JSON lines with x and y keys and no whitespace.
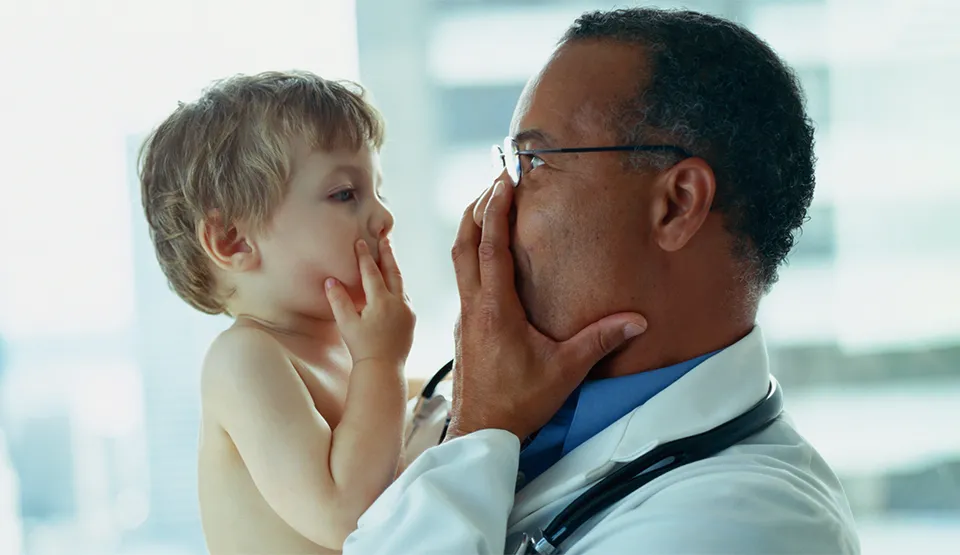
{"x":559,"y":380}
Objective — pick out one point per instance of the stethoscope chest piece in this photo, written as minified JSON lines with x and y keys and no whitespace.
{"x":518,"y":544}
{"x":525,"y":544}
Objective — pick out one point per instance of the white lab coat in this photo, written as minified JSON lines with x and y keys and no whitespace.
{"x":770,"y":494}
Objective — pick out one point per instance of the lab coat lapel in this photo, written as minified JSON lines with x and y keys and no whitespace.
{"x":717,"y":390}
{"x":578,"y":468}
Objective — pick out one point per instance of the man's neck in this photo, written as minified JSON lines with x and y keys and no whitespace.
{"x":674,"y":337}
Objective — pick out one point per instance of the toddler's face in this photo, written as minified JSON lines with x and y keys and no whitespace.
{"x":332,"y":201}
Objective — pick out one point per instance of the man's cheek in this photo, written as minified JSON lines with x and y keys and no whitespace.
{"x":532,"y":232}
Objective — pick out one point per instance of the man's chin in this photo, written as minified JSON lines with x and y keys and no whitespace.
{"x":524,"y":293}
{"x":533,"y":309}
{"x":523,"y":283}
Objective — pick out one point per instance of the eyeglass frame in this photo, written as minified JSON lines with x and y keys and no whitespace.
{"x":513,"y":147}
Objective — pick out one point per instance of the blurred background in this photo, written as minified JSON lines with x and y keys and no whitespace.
{"x":99,"y":361}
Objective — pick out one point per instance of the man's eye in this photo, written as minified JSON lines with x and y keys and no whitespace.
{"x":531,"y":162}
{"x":346,"y":195}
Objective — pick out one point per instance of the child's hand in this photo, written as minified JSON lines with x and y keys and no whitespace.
{"x":383,"y":330}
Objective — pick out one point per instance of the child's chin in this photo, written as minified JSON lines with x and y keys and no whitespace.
{"x":360,"y":303}
{"x":357,"y":296}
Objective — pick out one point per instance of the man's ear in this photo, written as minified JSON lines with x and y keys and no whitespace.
{"x":228,"y":245}
{"x":684,"y":196}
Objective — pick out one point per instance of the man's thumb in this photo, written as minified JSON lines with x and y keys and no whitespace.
{"x":600,"y":338}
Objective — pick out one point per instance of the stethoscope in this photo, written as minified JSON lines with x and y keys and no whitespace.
{"x":636,"y":473}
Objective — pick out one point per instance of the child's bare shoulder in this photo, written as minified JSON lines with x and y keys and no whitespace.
{"x":244,"y":363}
{"x":241,"y":347}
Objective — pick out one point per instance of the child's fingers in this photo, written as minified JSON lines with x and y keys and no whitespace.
{"x":369,"y":272}
{"x":344,"y":312}
{"x":389,"y":268}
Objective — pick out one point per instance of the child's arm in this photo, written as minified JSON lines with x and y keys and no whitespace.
{"x":319,"y":481}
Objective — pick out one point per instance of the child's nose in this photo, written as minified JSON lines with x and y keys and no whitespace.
{"x":383,"y":222}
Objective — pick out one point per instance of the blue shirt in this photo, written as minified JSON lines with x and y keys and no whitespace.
{"x":593,"y":406}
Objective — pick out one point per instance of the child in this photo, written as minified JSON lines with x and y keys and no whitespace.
{"x":263,"y":201}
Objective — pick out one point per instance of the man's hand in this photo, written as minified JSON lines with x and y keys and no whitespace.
{"x":508,"y":375}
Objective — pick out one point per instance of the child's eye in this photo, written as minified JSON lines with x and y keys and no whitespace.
{"x":344,"y":195}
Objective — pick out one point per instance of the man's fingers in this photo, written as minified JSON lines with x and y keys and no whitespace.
{"x":599,"y":339}
{"x":389,"y":268}
{"x":464,"y":254}
{"x":344,"y":312}
{"x":481,"y":206}
{"x":493,"y":252}
{"x":369,"y":272}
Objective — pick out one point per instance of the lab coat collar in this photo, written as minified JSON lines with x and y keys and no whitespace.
{"x":719,"y":389}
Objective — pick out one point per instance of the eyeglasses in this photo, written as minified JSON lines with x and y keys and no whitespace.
{"x":508,"y":156}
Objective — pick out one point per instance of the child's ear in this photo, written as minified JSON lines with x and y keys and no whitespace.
{"x":227,"y":245}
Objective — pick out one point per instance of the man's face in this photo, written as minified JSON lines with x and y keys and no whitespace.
{"x":580,"y":239}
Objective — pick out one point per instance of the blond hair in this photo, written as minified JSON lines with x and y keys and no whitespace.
{"x":229,"y":153}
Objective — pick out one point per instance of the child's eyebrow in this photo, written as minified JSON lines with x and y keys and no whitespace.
{"x":347,"y":168}
{"x":352,"y":170}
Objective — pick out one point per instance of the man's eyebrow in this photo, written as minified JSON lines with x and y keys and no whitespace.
{"x":534,"y":135}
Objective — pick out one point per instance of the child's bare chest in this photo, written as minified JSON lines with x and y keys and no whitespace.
{"x":328,"y":389}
